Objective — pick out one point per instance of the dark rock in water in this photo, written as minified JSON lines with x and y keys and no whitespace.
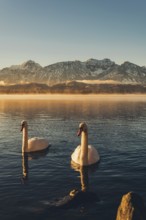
{"x":131,"y":208}
{"x":75,"y":199}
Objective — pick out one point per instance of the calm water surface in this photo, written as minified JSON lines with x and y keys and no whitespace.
{"x":117,"y":128}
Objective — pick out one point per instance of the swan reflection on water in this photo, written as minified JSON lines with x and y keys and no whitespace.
{"x":26,"y":156}
{"x":79,"y":197}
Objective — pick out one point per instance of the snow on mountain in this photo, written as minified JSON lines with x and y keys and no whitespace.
{"x":125,"y":73}
{"x":65,"y":71}
{"x":99,"y":66}
{"x":92,"y":69}
{"x":103,"y":64}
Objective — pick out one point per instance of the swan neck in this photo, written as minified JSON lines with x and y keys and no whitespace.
{"x":84,"y":148}
{"x":25,"y":139}
{"x":84,"y":139}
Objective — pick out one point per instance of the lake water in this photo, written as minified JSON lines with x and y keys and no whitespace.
{"x":117,"y":129}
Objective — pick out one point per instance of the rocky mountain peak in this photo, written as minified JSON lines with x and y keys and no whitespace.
{"x":105,"y":63}
{"x":127,"y":64}
{"x":143,"y":68}
{"x":130,"y":68}
{"x":30,"y":65}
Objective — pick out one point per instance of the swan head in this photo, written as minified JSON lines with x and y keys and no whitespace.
{"x":23,"y":124}
{"x":82,"y":128}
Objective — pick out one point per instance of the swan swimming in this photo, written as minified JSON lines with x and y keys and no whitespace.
{"x":84,"y":154}
{"x":32,"y":144}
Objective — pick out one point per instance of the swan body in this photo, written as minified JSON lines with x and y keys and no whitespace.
{"x":85,"y":154}
{"x":32,"y":144}
{"x":93,"y":156}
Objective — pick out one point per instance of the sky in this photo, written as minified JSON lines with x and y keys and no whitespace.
{"x":51,"y":31}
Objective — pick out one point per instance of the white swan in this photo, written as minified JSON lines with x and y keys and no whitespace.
{"x":33,"y":144}
{"x":84,"y":154}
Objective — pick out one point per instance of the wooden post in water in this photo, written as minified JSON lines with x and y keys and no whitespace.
{"x":131,"y":208}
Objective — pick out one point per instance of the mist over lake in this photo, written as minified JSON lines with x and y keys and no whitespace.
{"x":117,"y":129}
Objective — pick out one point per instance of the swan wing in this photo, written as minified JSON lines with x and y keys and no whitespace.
{"x":76,"y":154}
{"x":93,"y":155}
{"x":36,"y":144}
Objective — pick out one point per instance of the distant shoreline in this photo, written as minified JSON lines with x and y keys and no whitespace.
{"x":83,"y":97}
{"x":73,"y":88}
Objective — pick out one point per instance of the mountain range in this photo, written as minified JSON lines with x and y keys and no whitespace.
{"x":63,"y":72}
